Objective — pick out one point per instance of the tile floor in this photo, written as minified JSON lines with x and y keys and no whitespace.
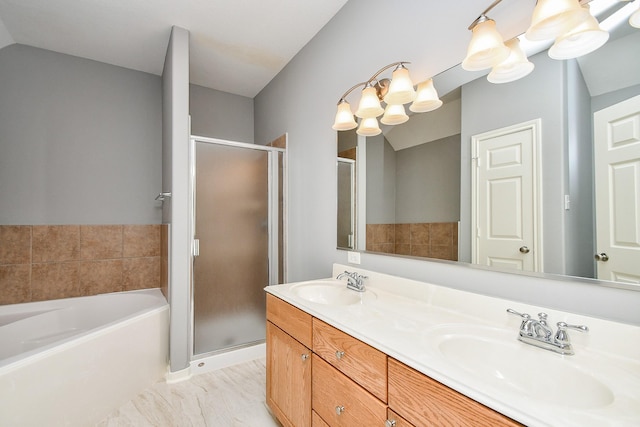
{"x":233,"y":397}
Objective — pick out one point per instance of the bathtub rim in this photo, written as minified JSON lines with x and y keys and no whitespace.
{"x":32,"y":356}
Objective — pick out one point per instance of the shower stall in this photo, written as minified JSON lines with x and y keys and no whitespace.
{"x":238,"y":227}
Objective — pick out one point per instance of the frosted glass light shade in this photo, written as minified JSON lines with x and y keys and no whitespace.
{"x":486,"y":47}
{"x":552,"y":18}
{"x":634,"y":19}
{"x":369,"y":105}
{"x":394,"y":114}
{"x":515,"y":67}
{"x":583,"y":39}
{"x":426,"y":98}
{"x":401,"y":88}
{"x":344,"y":117}
{"x":369,"y":127}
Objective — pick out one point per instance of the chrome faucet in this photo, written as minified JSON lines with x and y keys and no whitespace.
{"x":355,"y":281}
{"x":539,"y":334}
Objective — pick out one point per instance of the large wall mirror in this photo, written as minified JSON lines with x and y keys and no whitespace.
{"x":411,"y":189}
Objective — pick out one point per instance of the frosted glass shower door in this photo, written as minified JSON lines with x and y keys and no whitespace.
{"x":232,"y":228}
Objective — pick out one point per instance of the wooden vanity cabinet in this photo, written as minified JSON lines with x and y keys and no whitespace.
{"x":340,"y":402}
{"x":316,"y":421}
{"x":362,"y":363}
{"x":424,"y":401}
{"x":288,"y":363}
{"x":345,"y":382}
{"x":395,"y":420}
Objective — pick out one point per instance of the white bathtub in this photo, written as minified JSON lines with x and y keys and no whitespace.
{"x":71,"y":362}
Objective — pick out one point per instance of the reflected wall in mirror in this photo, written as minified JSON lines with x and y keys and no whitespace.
{"x":563,"y":95}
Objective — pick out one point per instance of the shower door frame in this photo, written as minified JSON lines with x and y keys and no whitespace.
{"x":274,"y":229}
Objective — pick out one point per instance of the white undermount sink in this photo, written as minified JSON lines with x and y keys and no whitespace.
{"x":330,"y":292}
{"x":496,"y":357}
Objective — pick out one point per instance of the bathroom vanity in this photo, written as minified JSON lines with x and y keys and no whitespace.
{"x":406,"y":353}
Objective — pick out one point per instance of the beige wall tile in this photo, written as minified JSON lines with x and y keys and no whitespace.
{"x":141,"y":241}
{"x":141,"y":273}
{"x":100,"y":241}
{"x":164,"y":260}
{"x":15,"y":283}
{"x":441,"y":234}
{"x":99,"y":277}
{"x":420,"y":234}
{"x":15,"y":244}
{"x":55,"y":243}
{"x":403,"y":234}
{"x":54,"y":280}
{"x":403,"y":249}
{"x":421,"y":250}
{"x":441,"y":252}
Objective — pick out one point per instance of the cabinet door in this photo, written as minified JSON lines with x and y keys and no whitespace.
{"x":424,"y":401}
{"x":341,"y":402}
{"x":288,"y":378}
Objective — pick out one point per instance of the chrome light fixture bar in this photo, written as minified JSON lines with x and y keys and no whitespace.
{"x":395,"y":92}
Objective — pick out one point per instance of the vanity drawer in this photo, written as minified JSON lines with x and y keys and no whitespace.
{"x":359,"y":361}
{"x":331,"y":390}
{"x":397,"y":420}
{"x":424,"y":401}
{"x":290,"y":319}
{"x":317,"y":421}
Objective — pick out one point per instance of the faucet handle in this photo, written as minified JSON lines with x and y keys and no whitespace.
{"x":526,"y":327}
{"x":562,"y":336}
{"x":523,"y":315}
{"x":543,"y":318}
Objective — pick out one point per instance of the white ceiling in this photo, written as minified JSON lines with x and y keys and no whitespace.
{"x":236,"y":46}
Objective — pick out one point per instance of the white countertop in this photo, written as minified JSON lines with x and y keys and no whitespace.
{"x":414,"y":322}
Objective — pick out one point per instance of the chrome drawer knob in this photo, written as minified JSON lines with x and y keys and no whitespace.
{"x":339,"y":410}
{"x":390,"y":423}
{"x":304,"y":357}
{"x":339,"y":354}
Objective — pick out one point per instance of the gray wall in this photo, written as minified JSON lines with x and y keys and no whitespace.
{"x":175,"y":143}
{"x":580,"y":218}
{"x":381,"y":181}
{"x":428,"y":182}
{"x":80,"y":140}
{"x":221,"y":115}
{"x":413,"y":185}
{"x":322,"y":71}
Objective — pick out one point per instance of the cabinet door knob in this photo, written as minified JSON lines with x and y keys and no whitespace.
{"x":390,"y":423}
{"x":339,"y":354}
{"x":524,"y":249}
{"x":339,"y":410}
{"x":602,"y":257}
{"x":304,"y":357}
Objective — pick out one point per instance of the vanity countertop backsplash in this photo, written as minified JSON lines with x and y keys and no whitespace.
{"x":470,"y":343}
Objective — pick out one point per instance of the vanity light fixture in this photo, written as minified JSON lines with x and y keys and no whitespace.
{"x":486,"y":47}
{"x":515,"y":67}
{"x":580,"y":40}
{"x":394,"y":92}
{"x":634,"y":20}
{"x":426,"y":98}
{"x":575,"y":30}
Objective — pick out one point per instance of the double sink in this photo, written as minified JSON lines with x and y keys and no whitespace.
{"x":489,"y":354}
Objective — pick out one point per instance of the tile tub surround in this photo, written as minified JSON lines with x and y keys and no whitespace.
{"x":44,"y":262}
{"x":432,"y":240}
{"x":407,"y":319}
